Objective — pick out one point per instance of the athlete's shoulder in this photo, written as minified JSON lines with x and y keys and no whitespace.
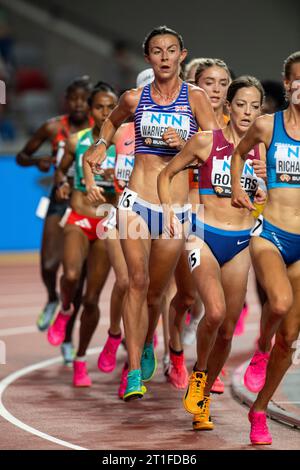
{"x":130,"y":98}
{"x":263,"y":124}
{"x":203,"y":138}
{"x":195,"y":90}
{"x":55,"y":123}
{"x":73,"y":139}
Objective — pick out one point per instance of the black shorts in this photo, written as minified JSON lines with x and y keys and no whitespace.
{"x":56,"y":207}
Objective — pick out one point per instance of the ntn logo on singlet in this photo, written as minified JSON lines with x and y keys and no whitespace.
{"x":287,"y":158}
{"x":124,"y":167}
{"x":154,"y":124}
{"x":221,"y":178}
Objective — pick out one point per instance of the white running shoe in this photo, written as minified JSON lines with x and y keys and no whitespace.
{"x":189,"y":332}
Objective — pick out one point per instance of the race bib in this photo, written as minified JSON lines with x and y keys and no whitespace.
{"x":124,"y":167}
{"x":154,"y":124}
{"x":42,"y":208}
{"x":194,"y":259}
{"x":127,"y":199}
{"x":287,"y":158}
{"x":257,"y":229}
{"x":221,"y":178}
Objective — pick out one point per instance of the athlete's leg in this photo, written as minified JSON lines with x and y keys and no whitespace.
{"x":135,"y":313}
{"x":234,"y":275}
{"x":271,"y":274}
{"x":77,"y":304}
{"x":51,"y":254}
{"x":76,"y":246}
{"x":169,"y":294}
{"x":182,"y":301}
{"x":119,"y":266}
{"x":98,"y":267}
{"x":281,"y":355}
{"x":208,"y":280}
{"x":107,"y":357}
{"x":163,"y":259}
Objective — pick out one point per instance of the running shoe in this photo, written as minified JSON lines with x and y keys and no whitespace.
{"x":255,"y":375}
{"x":166,"y":364}
{"x":46,"y":316}
{"x":123,"y":383}
{"x":240,"y":326}
{"x":68,"y":353}
{"x":189,"y":332}
{"x":80,"y":374}
{"x":148,"y":362}
{"x":259,"y":433}
{"x":218,"y":386}
{"x":107,"y":360}
{"x":178,"y":375}
{"x":195,"y":392}
{"x":202,"y":420}
{"x":135,"y":388}
{"x":57,"y":331}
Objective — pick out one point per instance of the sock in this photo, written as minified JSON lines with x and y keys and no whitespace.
{"x":177,"y":353}
{"x":198,"y":370}
{"x":80,"y":359}
{"x":115,"y":336}
{"x":67,"y":311}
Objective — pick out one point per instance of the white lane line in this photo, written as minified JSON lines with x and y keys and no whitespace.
{"x":287,"y":402}
{"x":4,"y":384}
{"x":18,"y":330}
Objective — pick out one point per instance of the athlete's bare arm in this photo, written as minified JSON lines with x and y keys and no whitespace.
{"x":202,"y":109}
{"x":26,"y":157}
{"x":124,"y":109}
{"x":197,"y":148}
{"x":63,"y":188}
{"x":260,"y":132}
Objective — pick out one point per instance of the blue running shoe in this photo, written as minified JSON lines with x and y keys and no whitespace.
{"x":68,"y":353}
{"x":46,"y":316}
{"x":135,"y":388}
{"x":148,"y":362}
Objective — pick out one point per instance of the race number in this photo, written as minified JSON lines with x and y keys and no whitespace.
{"x":194,"y":259}
{"x":127,"y":200}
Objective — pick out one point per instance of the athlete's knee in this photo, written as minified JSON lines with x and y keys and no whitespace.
{"x":183,"y":301}
{"x":139,"y":280}
{"x":90,"y":304}
{"x":122,"y":284}
{"x":50,"y":265}
{"x":281,"y":304}
{"x":154,"y":299}
{"x":215,"y":316}
{"x":226,"y":331}
{"x":71,"y":275}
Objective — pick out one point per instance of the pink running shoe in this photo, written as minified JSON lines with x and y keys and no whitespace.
{"x":107,"y":359}
{"x":80,"y":374}
{"x":218,"y":386}
{"x":178,"y":375}
{"x":255,"y":375}
{"x":123,"y":383}
{"x":57,"y":331}
{"x":259,"y":433}
{"x":240,"y":326}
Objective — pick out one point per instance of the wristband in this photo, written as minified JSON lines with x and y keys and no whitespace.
{"x":100,"y":141}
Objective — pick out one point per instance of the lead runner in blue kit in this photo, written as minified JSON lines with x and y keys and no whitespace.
{"x":151,"y":259}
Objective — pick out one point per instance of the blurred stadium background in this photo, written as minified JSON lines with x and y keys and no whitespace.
{"x":44,"y":44}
